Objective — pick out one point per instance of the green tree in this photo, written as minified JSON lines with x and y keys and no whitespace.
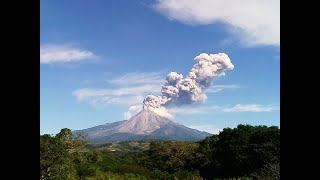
{"x":268,"y":172}
{"x":54,"y":161}
{"x":174,"y":156}
{"x":59,"y":154}
{"x":240,"y":151}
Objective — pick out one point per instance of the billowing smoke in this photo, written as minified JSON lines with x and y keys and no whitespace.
{"x":179,"y":91}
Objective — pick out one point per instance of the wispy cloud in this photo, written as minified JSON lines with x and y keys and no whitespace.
{"x":50,"y":54}
{"x":131,"y":88}
{"x":126,"y":95}
{"x":100,"y":102}
{"x":186,"y":110}
{"x":256,"y":22}
{"x":139,"y":78}
{"x":196,"y":110}
{"x":189,"y":110}
{"x":251,"y":108}
{"x":218,"y":88}
{"x":207,"y":128}
{"x":132,"y":111}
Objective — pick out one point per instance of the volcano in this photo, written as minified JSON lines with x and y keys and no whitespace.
{"x":145,"y":125}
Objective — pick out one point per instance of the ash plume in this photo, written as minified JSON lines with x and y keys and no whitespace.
{"x":181,"y":91}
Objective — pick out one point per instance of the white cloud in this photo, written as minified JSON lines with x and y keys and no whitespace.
{"x":135,"y":87}
{"x":107,"y":100}
{"x":251,"y":108}
{"x":207,"y":128}
{"x":132,"y":111}
{"x":186,"y":110}
{"x":127,"y":95}
{"x":50,"y":54}
{"x":189,"y":110}
{"x":257,"y":22}
{"x":139,"y":78}
{"x":218,"y":88}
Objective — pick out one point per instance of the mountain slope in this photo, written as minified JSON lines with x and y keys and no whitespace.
{"x":174,"y":131}
{"x":101,"y":130}
{"x":144,"y":125}
{"x":145,"y":122}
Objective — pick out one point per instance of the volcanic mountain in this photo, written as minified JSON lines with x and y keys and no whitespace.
{"x":145,"y":125}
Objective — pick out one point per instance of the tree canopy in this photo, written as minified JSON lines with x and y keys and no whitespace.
{"x":245,"y":151}
{"x":240,"y":151}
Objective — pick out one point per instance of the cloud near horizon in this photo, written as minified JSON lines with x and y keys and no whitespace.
{"x":251,"y":108}
{"x":255,"y":22}
{"x":133,"y":110}
{"x":50,"y":54}
{"x":194,"y":110}
{"x":190,"y":110}
{"x":207,"y":128}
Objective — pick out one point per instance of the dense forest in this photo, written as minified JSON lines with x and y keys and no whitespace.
{"x":244,"y":152}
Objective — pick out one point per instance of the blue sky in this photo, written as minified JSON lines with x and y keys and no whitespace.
{"x":99,"y":59}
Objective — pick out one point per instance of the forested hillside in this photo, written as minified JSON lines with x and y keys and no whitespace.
{"x":245,"y":152}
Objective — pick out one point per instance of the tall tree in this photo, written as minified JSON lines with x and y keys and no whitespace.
{"x":57,"y":155}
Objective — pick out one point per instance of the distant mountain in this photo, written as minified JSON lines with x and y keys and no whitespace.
{"x":145,"y":125}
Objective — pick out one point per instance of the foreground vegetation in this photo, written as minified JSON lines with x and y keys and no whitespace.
{"x":245,"y":152}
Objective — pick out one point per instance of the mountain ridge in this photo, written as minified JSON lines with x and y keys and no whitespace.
{"x":144,"y":125}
